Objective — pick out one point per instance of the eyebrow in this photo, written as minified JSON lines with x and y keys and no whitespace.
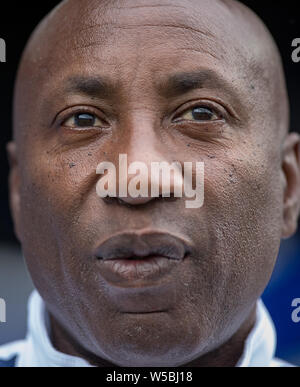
{"x":172,"y":86}
{"x":90,"y":86}
{"x":184,"y":82}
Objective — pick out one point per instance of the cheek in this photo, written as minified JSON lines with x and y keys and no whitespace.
{"x":57,"y":188}
{"x":244,"y":206}
{"x":241,"y":221}
{"x":54,"y":195}
{"x":53,"y":192}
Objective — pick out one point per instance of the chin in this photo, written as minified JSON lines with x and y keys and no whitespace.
{"x":152,"y":345}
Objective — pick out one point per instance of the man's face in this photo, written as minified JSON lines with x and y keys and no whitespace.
{"x":181,"y":88}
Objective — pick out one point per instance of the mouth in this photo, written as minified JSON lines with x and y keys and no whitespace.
{"x":131,"y":258}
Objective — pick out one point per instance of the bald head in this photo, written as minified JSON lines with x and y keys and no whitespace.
{"x":226,"y":31}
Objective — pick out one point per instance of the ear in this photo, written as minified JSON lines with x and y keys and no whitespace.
{"x":291,"y":171}
{"x":14,"y":186}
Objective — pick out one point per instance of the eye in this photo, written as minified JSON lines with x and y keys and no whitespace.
{"x":199,"y":113}
{"x":83,"y":120}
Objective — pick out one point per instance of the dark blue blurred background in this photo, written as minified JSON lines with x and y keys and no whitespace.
{"x":17,"y":22}
{"x":278,"y":297}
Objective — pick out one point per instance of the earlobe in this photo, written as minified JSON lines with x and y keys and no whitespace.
{"x":14,"y":186}
{"x":291,"y":170}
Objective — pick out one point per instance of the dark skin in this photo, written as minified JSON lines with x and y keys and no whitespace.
{"x":139,"y":68}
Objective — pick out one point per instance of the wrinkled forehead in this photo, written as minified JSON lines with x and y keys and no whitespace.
{"x":105,"y":36}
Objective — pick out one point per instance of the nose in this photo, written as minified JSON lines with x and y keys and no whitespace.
{"x":147,"y":176}
{"x":146,"y":171}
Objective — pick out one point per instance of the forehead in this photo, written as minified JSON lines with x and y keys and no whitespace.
{"x":157,"y":37}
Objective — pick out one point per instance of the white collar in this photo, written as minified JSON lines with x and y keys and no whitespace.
{"x":38,"y":351}
{"x":260,"y":345}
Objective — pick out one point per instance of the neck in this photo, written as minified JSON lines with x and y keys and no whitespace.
{"x":229,"y":353}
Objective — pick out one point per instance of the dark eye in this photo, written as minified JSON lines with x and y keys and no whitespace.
{"x":199,"y":113}
{"x":83,"y":120}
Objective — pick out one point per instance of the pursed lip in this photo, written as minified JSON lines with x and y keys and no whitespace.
{"x":129,"y":257}
{"x":142,"y":244}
